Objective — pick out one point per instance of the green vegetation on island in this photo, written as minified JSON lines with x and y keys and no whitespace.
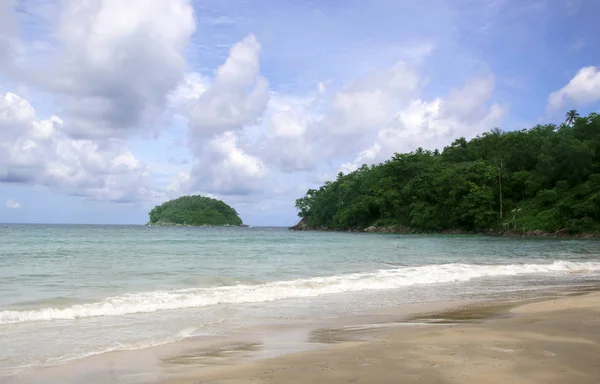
{"x":546,"y":178}
{"x":195,"y":211}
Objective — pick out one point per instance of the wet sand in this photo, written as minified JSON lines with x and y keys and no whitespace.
{"x":554,"y":340}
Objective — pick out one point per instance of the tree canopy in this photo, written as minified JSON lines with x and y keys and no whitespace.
{"x":194,"y":210}
{"x":544,"y":178}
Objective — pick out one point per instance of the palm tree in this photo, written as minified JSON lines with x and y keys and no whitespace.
{"x":496,"y":131}
{"x":571,"y":116}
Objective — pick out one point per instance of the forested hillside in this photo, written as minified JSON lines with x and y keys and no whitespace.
{"x":544,"y":178}
{"x":194,"y":210}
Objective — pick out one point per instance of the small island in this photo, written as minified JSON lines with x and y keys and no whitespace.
{"x":194,"y":211}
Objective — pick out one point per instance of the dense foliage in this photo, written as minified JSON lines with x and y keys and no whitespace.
{"x":194,"y":210}
{"x":544,"y":178}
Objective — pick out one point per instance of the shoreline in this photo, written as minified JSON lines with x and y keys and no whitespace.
{"x":168,"y":224}
{"x":244,"y":353}
{"x":395,"y":229}
{"x":206,"y":352}
{"x":543,"y":340}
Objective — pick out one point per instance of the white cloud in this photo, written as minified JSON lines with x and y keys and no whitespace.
{"x":179,"y":183}
{"x":371,"y":100}
{"x":281,"y":140}
{"x":286,"y":124}
{"x":118,"y":61}
{"x":11,"y":204}
{"x":225,"y":168}
{"x":434,"y":124}
{"x":237,"y":96}
{"x":582,"y":90}
{"x":304,"y":133}
{"x":186,"y":95}
{"x":287,"y":116}
{"x":381,"y":108}
{"x":37,"y":151}
{"x":218,"y":109}
{"x":300,"y":133}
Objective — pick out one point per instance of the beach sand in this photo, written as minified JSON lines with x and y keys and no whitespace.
{"x":549,"y":341}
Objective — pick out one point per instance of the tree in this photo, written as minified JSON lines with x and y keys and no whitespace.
{"x":571,"y":116}
{"x":496,"y":131}
{"x":548,"y":174}
{"x":499,"y":165}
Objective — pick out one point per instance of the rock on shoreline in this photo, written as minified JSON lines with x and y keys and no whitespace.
{"x":303,"y":226}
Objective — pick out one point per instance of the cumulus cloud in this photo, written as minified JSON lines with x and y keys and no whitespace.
{"x":287,"y":124}
{"x":118,"y":62}
{"x":180,"y":183}
{"x":583,"y":89}
{"x":306,"y":133}
{"x":185,"y":97}
{"x":225,"y":168}
{"x":11,"y":204}
{"x":366,"y":120}
{"x":217,"y":110}
{"x":301,"y":133}
{"x":433,"y":124}
{"x":37,"y":151}
{"x":285,"y":142}
{"x":371,"y":118}
{"x":237,"y":96}
{"x":370,"y":101}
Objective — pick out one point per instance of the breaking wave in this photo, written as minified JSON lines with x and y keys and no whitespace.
{"x":144,"y":302}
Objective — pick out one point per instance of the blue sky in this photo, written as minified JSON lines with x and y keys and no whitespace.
{"x":108,"y":108}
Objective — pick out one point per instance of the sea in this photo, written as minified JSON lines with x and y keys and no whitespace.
{"x":68,"y":292}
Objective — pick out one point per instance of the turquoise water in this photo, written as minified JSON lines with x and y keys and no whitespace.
{"x":85,"y":290}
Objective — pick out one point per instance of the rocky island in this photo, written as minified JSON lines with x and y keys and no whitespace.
{"x":194,"y":211}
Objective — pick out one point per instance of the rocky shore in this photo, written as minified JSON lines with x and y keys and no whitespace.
{"x":303,"y":226}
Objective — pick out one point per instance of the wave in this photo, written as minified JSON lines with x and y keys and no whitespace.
{"x":206,"y":281}
{"x":145,"y":302}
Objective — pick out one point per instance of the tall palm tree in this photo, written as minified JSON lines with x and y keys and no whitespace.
{"x":571,"y":116}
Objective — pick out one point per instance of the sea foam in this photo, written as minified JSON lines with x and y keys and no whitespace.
{"x":145,"y":302}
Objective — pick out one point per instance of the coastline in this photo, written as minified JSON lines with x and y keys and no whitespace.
{"x":548,"y":340}
{"x":396,"y":229}
{"x":170,"y":224}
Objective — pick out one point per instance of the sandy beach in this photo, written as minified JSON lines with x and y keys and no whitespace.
{"x":553,"y":340}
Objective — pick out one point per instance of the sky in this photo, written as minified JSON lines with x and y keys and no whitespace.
{"x":110,"y":107}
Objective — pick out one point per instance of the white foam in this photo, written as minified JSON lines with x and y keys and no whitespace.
{"x":145,"y":302}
